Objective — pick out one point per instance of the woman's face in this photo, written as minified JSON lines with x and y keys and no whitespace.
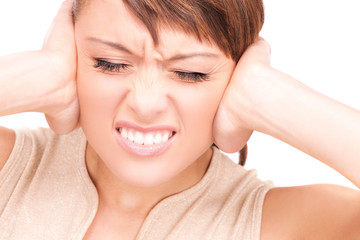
{"x":146,"y":110}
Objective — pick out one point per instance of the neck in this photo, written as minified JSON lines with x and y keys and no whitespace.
{"x":118,"y":195}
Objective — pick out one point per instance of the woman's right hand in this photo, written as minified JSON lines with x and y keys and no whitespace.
{"x":44,"y":81}
{"x":62,"y":114}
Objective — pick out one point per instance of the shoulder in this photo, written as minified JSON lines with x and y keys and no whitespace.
{"x":31,"y":146}
{"x":236,"y":176}
{"x":233,"y":179}
{"x":311,"y":212}
{"x":22,"y":146}
{"x":7,"y":141}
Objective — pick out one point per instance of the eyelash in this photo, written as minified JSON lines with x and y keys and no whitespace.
{"x":192,"y":76}
{"x":106,"y":66}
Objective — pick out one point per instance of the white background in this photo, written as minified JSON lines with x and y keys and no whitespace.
{"x":315,"y":41}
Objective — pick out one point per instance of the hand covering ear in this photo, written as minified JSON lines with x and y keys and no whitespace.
{"x":235,"y":120}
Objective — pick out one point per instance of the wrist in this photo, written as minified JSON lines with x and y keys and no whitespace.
{"x":268,"y":96}
{"x":30,"y":82}
{"x":19,"y":74}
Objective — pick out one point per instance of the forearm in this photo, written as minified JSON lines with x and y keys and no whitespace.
{"x":25,"y":80}
{"x":311,"y":122}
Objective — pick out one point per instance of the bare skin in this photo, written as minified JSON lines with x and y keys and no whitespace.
{"x":308,"y":212}
{"x":122,"y":211}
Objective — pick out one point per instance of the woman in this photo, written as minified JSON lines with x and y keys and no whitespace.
{"x":153,"y":93}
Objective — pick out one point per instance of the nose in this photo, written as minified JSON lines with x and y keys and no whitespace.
{"x":147,"y":100}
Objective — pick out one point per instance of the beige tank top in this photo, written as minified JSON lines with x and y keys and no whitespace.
{"x":46,"y":193}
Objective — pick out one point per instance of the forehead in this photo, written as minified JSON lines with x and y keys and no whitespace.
{"x":113,"y":21}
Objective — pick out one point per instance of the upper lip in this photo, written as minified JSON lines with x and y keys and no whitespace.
{"x":127,"y":124}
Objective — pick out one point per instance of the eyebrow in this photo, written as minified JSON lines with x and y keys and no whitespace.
{"x":117,"y":46}
{"x":178,"y":57}
{"x":193,"y":55}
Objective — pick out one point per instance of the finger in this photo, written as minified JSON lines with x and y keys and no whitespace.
{"x":265,"y":44}
{"x":258,"y":52}
{"x":62,"y":26}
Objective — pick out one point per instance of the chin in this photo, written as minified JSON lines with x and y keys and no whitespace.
{"x":147,"y":177}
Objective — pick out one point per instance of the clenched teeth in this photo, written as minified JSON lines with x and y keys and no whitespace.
{"x":146,"y":138}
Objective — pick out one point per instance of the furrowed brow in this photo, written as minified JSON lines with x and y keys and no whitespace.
{"x":116,"y":46}
{"x":192,"y":55}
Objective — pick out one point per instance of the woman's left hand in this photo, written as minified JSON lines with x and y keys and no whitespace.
{"x":235,"y":118}
{"x":264,"y":99}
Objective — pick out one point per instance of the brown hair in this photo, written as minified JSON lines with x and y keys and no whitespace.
{"x":231,"y":24}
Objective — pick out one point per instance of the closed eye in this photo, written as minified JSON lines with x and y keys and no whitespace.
{"x":106,"y":66}
{"x":191,"y":76}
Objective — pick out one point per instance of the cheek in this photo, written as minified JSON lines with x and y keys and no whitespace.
{"x":99,"y":96}
{"x":198,"y":109}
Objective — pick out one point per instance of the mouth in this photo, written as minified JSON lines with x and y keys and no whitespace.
{"x":145,"y":142}
{"x":149,"y":138}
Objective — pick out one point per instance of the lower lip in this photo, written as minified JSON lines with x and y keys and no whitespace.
{"x":144,"y":150}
